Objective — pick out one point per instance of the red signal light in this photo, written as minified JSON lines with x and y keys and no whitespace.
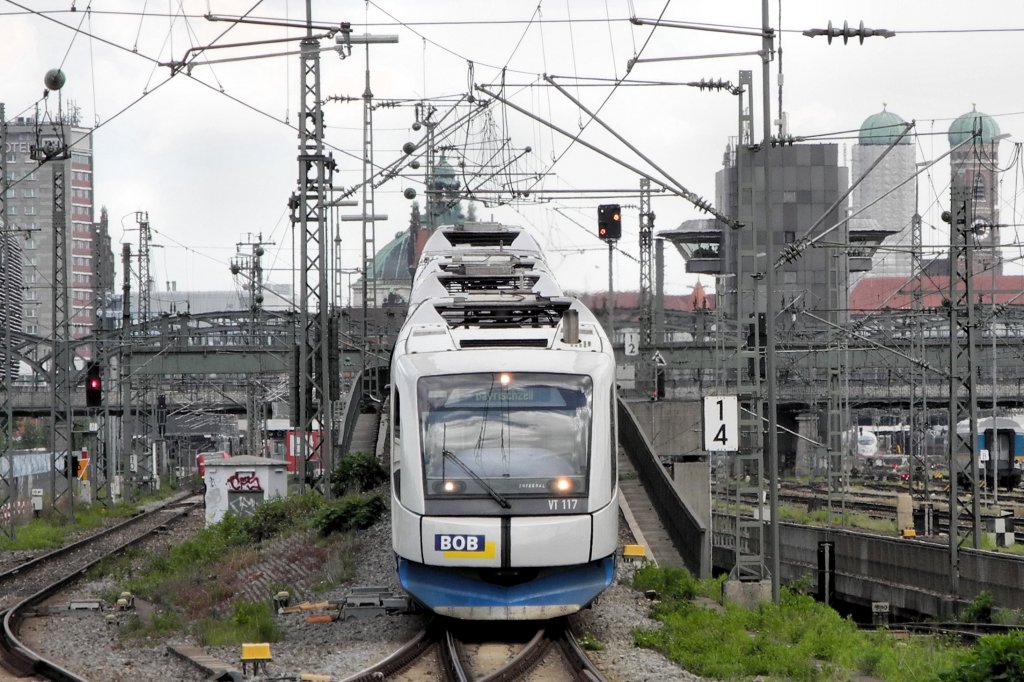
{"x":609,"y":221}
{"x":93,"y":386}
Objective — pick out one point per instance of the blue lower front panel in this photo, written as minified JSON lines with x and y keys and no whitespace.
{"x":463,"y":593}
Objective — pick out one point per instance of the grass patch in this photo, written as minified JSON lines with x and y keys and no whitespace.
{"x":199,"y":583}
{"x":203,"y":566}
{"x":250,"y":622}
{"x":820,"y":517}
{"x":340,"y":565}
{"x":159,"y":624}
{"x":800,"y":639}
{"x":52,"y":530}
{"x":38,"y":534}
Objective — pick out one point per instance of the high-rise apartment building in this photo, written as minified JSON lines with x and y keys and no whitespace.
{"x":30,"y":217}
{"x":11,"y":293}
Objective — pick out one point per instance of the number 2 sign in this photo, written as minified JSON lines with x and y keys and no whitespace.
{"x":721,"y":423}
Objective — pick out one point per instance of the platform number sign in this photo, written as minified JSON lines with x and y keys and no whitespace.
{"x":721,"y":423}
{"x":631,"y":343}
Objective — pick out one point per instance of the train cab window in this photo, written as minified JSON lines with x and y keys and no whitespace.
{"x":510,"y":434}
{"x":614,"y":439}
{"x":396,"y":417}
{"x":396,"y":439}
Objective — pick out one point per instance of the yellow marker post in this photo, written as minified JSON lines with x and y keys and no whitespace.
{"x":633,"y":552}
{"x":258,"y":654}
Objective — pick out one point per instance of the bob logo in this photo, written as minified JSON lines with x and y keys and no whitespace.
{"x":464,"y":546}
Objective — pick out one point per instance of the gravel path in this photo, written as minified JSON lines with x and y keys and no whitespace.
{"x":88,"y":642}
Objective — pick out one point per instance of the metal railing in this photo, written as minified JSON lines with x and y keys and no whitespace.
{"x":688,"y":533}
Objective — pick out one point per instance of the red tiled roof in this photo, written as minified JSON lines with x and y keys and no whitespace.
{"x":878,"y":293}
{"x":630,"y":300}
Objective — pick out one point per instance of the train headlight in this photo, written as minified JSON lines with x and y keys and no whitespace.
{"x":505,"y":378}
{"x":562,"y":485}
{"x":449,"y":487}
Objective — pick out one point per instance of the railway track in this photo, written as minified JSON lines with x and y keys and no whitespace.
{"x":29,"y":584}
{"x":488,"y":652}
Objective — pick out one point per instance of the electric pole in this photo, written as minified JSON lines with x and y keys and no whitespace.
{"x":312,"y":411}
{"x":142,"y":444}
{"x":646,"y":288}
{"x":251,"y":264}
{"x":54,"y":148}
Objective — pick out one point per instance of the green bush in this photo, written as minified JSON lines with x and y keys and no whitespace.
{"x":357,"y":471}
{"x":270,"y":519}
{"x":352,"y":512}
{"x":994,"y":657}
{"x":670,"y":583}
{"x":980,"y":610}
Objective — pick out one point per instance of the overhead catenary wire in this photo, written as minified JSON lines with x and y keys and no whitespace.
{"x":539,"y":25}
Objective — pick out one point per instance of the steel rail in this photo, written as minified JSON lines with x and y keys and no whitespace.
{"x":20,"y":658}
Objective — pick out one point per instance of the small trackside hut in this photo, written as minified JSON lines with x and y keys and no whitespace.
{"x":238,"y":485}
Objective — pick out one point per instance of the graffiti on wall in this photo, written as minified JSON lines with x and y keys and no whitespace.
{"x":244,"y":481}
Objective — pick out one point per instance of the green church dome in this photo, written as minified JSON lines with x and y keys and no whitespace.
{"x":965,"y":126}
{"x":882,"y":128}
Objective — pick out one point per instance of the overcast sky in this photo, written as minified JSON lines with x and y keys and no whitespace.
{"x":211,"y":155}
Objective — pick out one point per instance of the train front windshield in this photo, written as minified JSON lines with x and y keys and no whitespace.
{"x":505,"y":434}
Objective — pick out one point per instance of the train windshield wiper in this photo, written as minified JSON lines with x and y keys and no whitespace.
{"x":498,"y":497}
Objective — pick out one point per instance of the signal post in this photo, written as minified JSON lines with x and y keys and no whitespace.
{"x":609,"y":229}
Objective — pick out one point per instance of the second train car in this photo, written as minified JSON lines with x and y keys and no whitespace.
{"x":503,"y":451}
{"x":1001,"y":439}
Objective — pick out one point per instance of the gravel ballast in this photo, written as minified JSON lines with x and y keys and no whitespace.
{"x":89,"y":642}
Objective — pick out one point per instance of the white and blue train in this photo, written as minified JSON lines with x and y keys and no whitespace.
{"x":1001,"y":439}
{"x":503,"y":434}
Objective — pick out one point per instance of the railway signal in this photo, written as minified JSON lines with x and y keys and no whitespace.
{"x":94,"y":385}
{"x":609,"y":221}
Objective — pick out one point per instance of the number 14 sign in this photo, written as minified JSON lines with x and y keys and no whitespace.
{"x":721,"y":423}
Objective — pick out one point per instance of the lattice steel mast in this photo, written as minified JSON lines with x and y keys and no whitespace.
{"x":962,"y":451}
{"x":646,"y":287}
{"x":748,"y":470}
{"x":124,"y":376}
{"x":919,"y":390}
{"x":255,"y":391}
{"x":312,"y":412}
{"x":141,"y":445}
{"x":55,"y":149}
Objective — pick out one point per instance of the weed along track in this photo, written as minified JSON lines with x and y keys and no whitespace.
{"x":25,"y":589}
{"x":200,"y":591}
